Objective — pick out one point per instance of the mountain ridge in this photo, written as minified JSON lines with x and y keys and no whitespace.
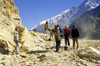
{"x":70,"y":15}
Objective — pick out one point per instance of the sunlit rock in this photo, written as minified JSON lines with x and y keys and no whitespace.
{"x":89,"y":53}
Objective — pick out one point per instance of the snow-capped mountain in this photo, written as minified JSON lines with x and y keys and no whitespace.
{"x":69,"y":15}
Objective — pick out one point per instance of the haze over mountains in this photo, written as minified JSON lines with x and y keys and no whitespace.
{"x":69,"y":15}
{"x":88,"y":24}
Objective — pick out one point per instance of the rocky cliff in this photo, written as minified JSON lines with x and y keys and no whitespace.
{"x":9,"y":19}
{"x":8,"y":9}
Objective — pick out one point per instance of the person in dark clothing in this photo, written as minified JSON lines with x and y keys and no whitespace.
{"x":67,"y":34}
{"x":51,"y":33}
{"x":75,"y":35}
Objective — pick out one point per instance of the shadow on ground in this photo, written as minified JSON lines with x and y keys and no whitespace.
{"x":38,"y":51}
{"x":3,"y":51}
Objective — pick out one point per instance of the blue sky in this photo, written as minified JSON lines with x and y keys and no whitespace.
{"x":32,"y":12}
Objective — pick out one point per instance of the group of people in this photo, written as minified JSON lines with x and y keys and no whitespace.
{"x":57,"y":32}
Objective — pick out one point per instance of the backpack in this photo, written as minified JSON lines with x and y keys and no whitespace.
{"x":57,"y":35}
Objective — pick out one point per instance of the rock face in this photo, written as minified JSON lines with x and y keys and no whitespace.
{"x":8,"y":9}
{"x":9,"y":19}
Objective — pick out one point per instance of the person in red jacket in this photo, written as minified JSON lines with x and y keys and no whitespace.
{"x":67,"y":34}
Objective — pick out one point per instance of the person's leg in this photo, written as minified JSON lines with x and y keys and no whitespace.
{"x":17,"y":47}
{"x":57,"y":45}
{"x":68,"y":42}
{"x":73,"y":43}
{"x":46,"y":33}
{"x":65,"y":42}
{"x":50,"y":36}
{"x":77,"y":43}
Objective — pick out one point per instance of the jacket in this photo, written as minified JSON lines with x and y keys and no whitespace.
{"x":67,"y":32}
{"x":46,"y":27}
{"x":75,"y":33}
{"x":57,"y":35}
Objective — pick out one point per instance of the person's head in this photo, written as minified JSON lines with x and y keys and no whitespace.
{"x":74,"y":26}
{"x":66,"y":26}
{"x":46,"y":22}
{"x":16,"y":28}
{"x":58,"y":24}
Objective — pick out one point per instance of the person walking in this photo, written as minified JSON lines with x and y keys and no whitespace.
{"x":75,"y":35}
{"x":57,"y":38}
{"x":46,"y":28}
{"x":51,"y":33}
{"x":67,"y":34}
{"x":16,"y":39}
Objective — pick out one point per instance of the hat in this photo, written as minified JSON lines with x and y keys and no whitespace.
{"x":58,"y":24}
{"x":46,"y":21}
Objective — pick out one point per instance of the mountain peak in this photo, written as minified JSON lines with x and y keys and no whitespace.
{"x":69,"y":15}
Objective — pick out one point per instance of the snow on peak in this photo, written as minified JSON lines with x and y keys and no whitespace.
{"x":69,"y":15}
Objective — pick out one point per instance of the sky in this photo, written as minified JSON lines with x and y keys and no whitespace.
{"x":33,"y":12}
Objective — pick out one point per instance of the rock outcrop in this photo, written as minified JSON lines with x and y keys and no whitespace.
{"x":9,"y":19}
{"x":8,"y":9}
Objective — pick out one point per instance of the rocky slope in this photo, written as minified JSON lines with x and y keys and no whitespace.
{"x":88,"y":24}
{"x":69,"y":15}
{"x":43,"y":54}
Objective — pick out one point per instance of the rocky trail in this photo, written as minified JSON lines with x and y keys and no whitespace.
{"x":43,"y":54}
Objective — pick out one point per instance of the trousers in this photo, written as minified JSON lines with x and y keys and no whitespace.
{"x":16,"y":48}
{"x":58,"y":45}
{"x":75,"y":40}
{"x":67,"y":41}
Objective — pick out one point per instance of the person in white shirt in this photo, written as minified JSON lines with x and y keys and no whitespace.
{"x":16,"y":39}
